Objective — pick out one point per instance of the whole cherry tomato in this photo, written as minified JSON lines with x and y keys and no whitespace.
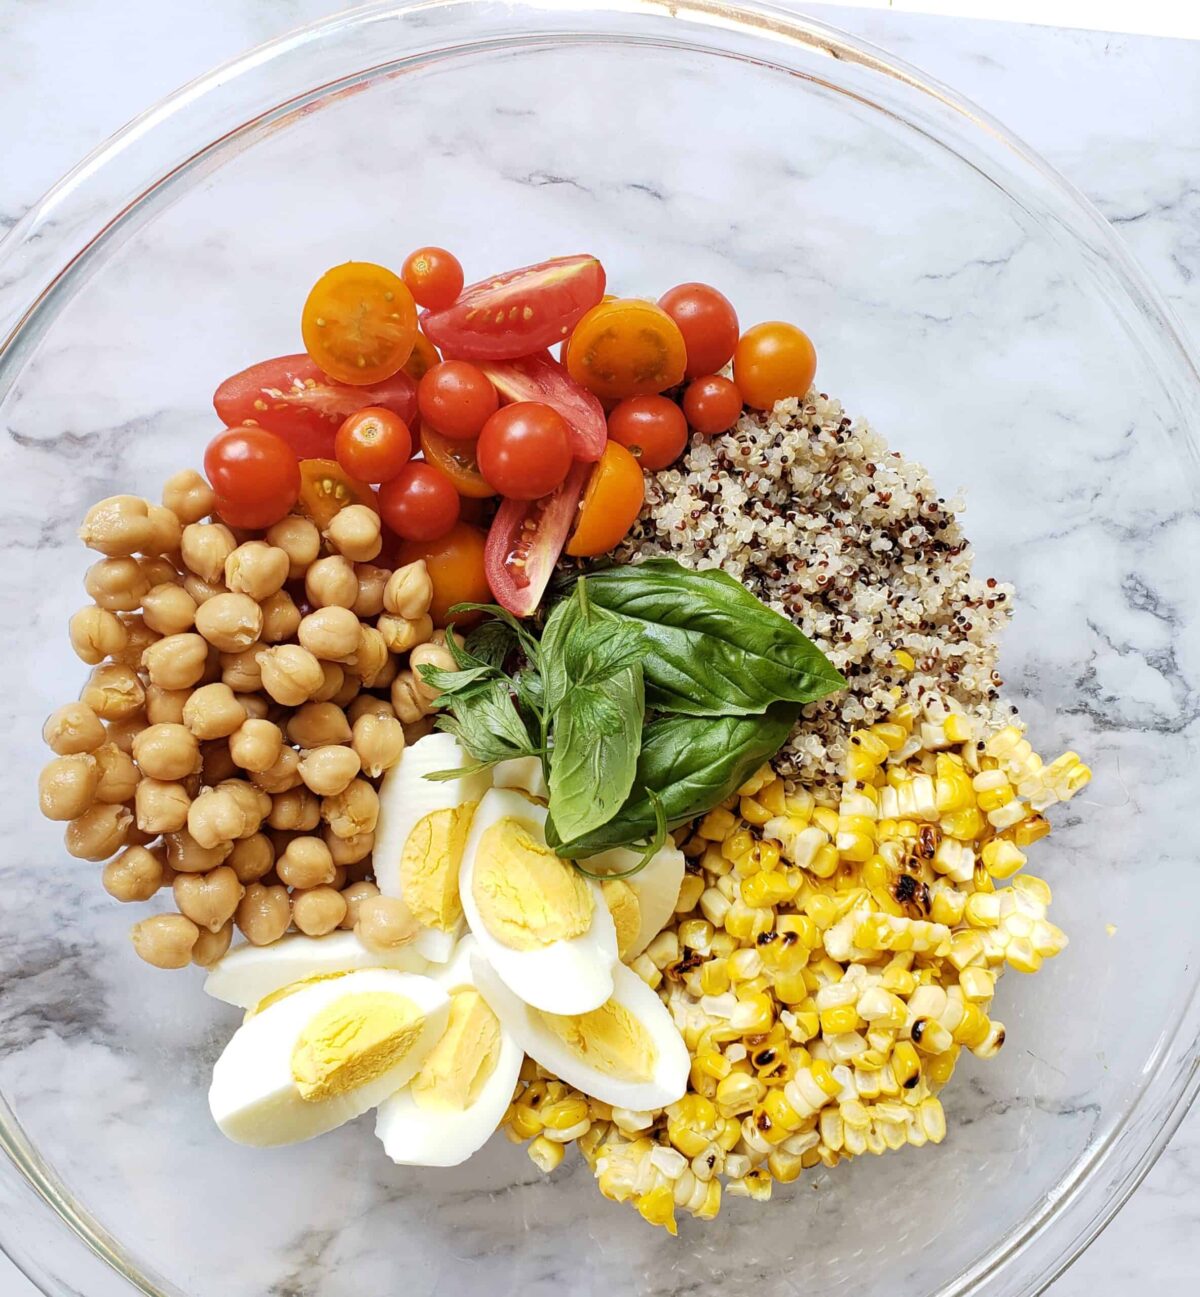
{"x":456,"y":399}
{"x":434,"y":277}
{"x":773,"y":361}
{"x":652,"y":428}
{"x":524,"y":450}
{"x":373,"y":445}
{"x":419,"y":503}
{"x":712,"y":404}
{"x":708,"y":322}
{"x":255,"y":474}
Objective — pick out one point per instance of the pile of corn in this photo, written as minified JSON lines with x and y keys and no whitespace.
{"x":827,"y":966}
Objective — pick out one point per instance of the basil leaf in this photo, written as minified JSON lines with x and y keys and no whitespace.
{"x":583,"y":645}
{"x":712,"y":648}
{"x":455,"y":682}
{"x":491,"y":643}
{"x":487,"y":724}
{"x":692,"y":764}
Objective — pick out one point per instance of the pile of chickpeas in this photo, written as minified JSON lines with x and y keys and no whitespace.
{"x":247,"y":692}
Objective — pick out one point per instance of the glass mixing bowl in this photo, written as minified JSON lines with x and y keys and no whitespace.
{"x":960,"y":294}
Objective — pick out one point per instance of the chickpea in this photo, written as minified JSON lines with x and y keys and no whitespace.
{"x":116,"y":584}
{"x":431,"y":654}
{"x":256,"y":744}
{"x":305,"y":862}
{"x":368,"y":705}
{"x":318,"y":910}
{"x":240,"y":671}
{"x":167,"y":751}
{"x":290,"y":674}
{"x":165,"y":706}
{"x":296,"y":808}
{"x":415,"y":732}
{"x":371,"y":657}
{"x":385,"y":922}
{"x":382,"y":679}
{"x":161,"y":807}
{"x":327,"y":770}
{"x":176,"y":661}
{"x":254,"y":802}
{"x":351,"y":685}
{"x":299,"y":539}
{"x":166,"y":940}
{"x":355,"y":533}
{"x":99,"y":832}
{"x":354,"y":895}
{"x":334,"y":677}
{"x":118,"y":526}
{"x":252,"y":858}
{"x":122,"y":732}
{"x":201,"y":591}
{"x":378,"y":741}
{"x":113,"y":692}
{"x":330,"y":634}
{"x":408,"y":704}
{"x":348,"y":851}
{"x":67,"y":786}
{"x":280,"y":618}
{"x":166,"y":530}
{"x":231,"y":622}
{"x":401,"y":635}
{"x":256,"y":569}
{"x":118,"y":776}
{"x":216,"y":816}
{"x":352,"y":811}
{"x":209,"y":900}
{"x":204,"y":547}
{"x":138,"y":638}
{"x":330,"y":583}
{"x":73,"y":728}
{"x":216,"y":763}
{"x":188,"y":496}
{"x":409,"y":591}
{"x":96,"y":634}
{"x":168,"y":609}
{"x":282,"y":776}
{"x":186,"y":856}
{"x":135,"y":875}
{"x":158,"y":570}
{"x":212,"y":946}
{"x":263,"y":914}
{"x":372,"y":580}
{"x":316,"y":724}
{"x":213,"y":712}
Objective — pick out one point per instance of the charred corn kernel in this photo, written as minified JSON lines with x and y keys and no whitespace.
{"x":565,"y":1113}
{"x":644,"y":967}
{"x":906,"y":1065}
{"x":963,"y":826}
{"x":739,"y":1092}
{"x":842,"y":1019}
{"x":545,"y":1154}
{"x":714,"y":977}
{"x":768,"y":888}
{"x":690,"y":891}
{"x":982,"y":910}
{"x":525,"y":1121}
{"x":930,"y":1037}
{"x":657,"y":1207}
{"x":978,"y":985}
{"x":1002,"y":858}
{"x":991,"y":1044}
{"x":763,"y":776}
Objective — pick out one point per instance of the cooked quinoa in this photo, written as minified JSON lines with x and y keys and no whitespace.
{"x":819,"y":519}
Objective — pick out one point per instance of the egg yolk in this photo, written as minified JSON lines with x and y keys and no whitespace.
{"x":353,"y":1041}
{"x":609,"y":1039}
{"x":527,"y":897}
{"x":429,"y":866}
{"x":626,"y":911}
{"x":459,"y":1064}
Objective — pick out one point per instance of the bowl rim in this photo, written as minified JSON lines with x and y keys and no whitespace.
{"x":36,"y":269}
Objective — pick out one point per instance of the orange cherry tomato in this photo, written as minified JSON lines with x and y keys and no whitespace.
{"x":626,"y":347}
{"x":359,"y":323}
{"x":455,"y":563}
{"x":612,"y":501}
{"x":434,"y":277}
{"x":457,"y":460}
{"x":712,"y":404}
{"x":652,"y":428}
{"x":326,"y":488}
{"x":373,"y":445}
{"x":424,"y":357}
{"x":773,"y":361}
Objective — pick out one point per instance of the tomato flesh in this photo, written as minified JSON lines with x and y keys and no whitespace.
{"x":456,"y":569}
{"x":424,"y":357}
{"x":359,"y":322}
{"x":540,"y":378}
{"x":626,"y":347}
{"x":326,"y":488}
{"x":615,"y":493}
{"x":525,"y":541}
{"x":457,"y":460}
{"x":524,"y":310}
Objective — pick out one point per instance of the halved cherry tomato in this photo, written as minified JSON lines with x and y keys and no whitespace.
{"x":419,"y":503}
{"x":712,"y":404}
{"x":456,"y":399}
{"x":518,"y":312}
{"x":359,"y":322}
{"x":626,"y":347}
{"x":773,"y":361}
{"x":292,"y":396}
{"x":652,"y":428}
{"x":457,"y":460}
{"x":254,"y":473}
{"x":541,"y":378}
{"x":615,"y":493}
{"x":708,"y":322}
{"x":373,"y":445}
{"x":326,"y":488}
{"x":524,"y":450}
{"x":424,"y":357}
{"x":525,"y":541}
{"x":456,"y":569}
{"x":434,"y":277}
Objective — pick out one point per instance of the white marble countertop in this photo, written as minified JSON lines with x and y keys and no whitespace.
{"x":1114,"y":113}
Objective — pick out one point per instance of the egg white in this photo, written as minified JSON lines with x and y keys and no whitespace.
{"x":524,"y":773}
{"x":656,"y":887}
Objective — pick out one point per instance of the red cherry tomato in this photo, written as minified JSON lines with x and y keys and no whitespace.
{"x":456,"y":570}
{"x":434,"y":277}
{"x":254,"y":472}
{"x":524,"y":450}
{"x":373,"y":445}
{"x":456,"y":399}
{"x":708,"y":322}
{"x":712,"y":404}
{"x":539,"y":378}
{"x":419,"y":503}
{"x":518,"y":312}
{"x":290,"y":395}
{"x":652,"y":427}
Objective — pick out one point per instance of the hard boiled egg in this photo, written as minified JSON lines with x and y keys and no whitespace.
{"x":325,"y":1054}
{"x":642,"y":903}
{"x":248,"y":974}
{"x":539,"y":922}
{"x":627,"y":1052}
{"x":419,"y":838}
{"x":455,"y":1102}
{"x":525,"y":773}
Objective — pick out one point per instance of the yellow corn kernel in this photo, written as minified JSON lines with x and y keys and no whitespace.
{"x":932,"y":1119}
{"x":843,"y":1018}
{"x":714,"y":977}
{"x":823,"y":1075}
{"x":966,"y":825}
{"x":729,"y":1132}
{"x":978,"y":984}
{"x":791,"y":988}
{"x":1002,"y":858}
{"x":754,"y":1015}
{"x":690,"y":891}
{"x":1020,"y":955}
{"x":737,"y":843}
{"x":822,"y":910}
{"x":739,"y":1092}
{"x":959,"y":728}
{"x":1030,"y":830}
{"x":947,"y":906}
{"x":753,"y":812}
{"x":713,"y":1063}
{"x":545,"y":1154}
{"x":717,"y":824}
{"x":905,"y":661}
{"x":898,"y":979}
{"x":891,"y":735}
{"x":757,"y":781}
{"x":825,"y":818}
{"x":871,"y":745}
{"x":740,"y":921}
{"x":930,"y":1037}
{"x":695,"y":934}
{"x":940,"y":1068}
{"x":565,"y":1113}
{"x":774,"y":797}
{"x":824,"y":863}
{"x":973,"y":1028}
{"x":906,"y":1065}
{"x":966,"y":948}
{"x":658,"y":1205}
{"x":525,"y":1121}
{"x":877,"y":873}
{"x":982,"y":910}
{"x":766,"y":889}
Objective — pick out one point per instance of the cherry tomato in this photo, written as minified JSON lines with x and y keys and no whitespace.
{"x":255,"y":474}
{"x":709,"y":325}
{"x":457,"y":460}
{"x":424,"y":357}
{"x":373,"y":445}
{"x":612,"y":501}
{"x":626,"y":347}
{"x":518,"y":312}
{"x":434,"y":277}
{"x":455,"y":563}
{"x":540,"y":378}
{"x":290,"y":395}
{"x":712,"y":404}
{"x":326,"y":488}
{"x":652,"y":427}
{"x":773,"y":361}
{"x":359,"y":322}
{"x":456,"y":399}
{"x":525,"y":540}
{"x":524,"y":450}
{"x":419,"y":503}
